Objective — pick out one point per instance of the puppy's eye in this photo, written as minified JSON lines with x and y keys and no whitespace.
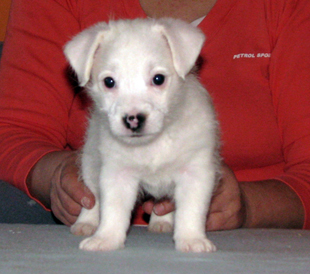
{"x":158,"y":79}
{"x":109,"y":82}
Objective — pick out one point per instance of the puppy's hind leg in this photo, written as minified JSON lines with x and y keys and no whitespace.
{"x":161,"y":224}
{"x":88,"y":219}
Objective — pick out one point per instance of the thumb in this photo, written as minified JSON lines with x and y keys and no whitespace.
{"x":89,"y":200}
{"x":163,"y":208}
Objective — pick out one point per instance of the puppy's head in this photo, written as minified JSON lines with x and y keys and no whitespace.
{"x":134,"y":71}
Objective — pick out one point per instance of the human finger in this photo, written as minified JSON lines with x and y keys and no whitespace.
{"x":148,"y":206}
{"x":60,"y":196}
{"x":61,"y":212}
{"x":75,"y":188}
{"x":164,"y":207}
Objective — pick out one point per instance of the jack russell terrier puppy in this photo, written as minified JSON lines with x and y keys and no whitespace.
{"x":152,"y":127}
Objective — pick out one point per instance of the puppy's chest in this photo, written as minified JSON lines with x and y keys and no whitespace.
{"x":154,"y":166}
{"x":156,"y":157}
{"x":156,"y":175}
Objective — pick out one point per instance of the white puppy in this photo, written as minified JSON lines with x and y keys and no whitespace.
{"x":152,"y":127}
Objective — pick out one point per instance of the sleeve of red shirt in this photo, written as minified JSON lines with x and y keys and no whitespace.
{"x":35,"y":97}
{"x":290,"y":84}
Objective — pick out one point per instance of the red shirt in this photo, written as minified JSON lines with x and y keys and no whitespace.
{"x":256,"y":66}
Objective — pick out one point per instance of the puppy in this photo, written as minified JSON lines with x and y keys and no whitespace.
{"x":152,"y":127}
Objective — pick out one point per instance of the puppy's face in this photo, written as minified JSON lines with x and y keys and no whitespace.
{"x":134,"y":83}
{"x":134,"y":70}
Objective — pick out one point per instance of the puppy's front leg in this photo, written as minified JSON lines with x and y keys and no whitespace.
{"x":192,"y":195}
{"x":118,"y":195}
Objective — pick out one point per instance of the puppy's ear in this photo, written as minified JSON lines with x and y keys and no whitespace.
{"x":81,"y":49}
{"x":185,"y":42}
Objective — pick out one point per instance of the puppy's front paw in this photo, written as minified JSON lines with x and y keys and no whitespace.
{"x":160,"y":227}
{"x":197,"y":245}
{"x":96,"y":243}
{"x":83,"y":229}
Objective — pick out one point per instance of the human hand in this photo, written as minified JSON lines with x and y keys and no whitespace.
{"x":226,"y":209}
{"x":54,"y":182}
{"x":67,"y":193}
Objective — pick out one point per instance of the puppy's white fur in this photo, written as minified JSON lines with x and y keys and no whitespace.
{"x":173,"y":154}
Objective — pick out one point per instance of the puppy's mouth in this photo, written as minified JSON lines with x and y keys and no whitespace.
{"x":133,"y":135}
{"x":137,"y":135}
{"x":137,"y":138}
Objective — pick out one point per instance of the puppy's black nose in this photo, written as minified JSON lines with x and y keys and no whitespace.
{"x":134,"y":122}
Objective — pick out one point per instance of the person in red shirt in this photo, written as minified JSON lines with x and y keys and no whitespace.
{"x":255,"y":65}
